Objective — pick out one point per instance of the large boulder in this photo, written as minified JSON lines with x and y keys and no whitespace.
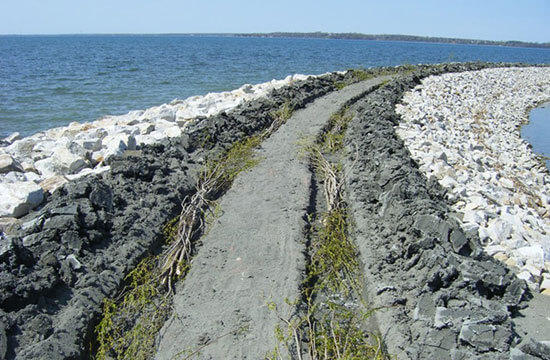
{"x":19,"y":198}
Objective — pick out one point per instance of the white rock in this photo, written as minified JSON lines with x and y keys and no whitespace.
{"x":93,"y":144}
{"x":536,"y":271}
{"x":22,"y":147}
{"x":448,"y":182}
{"x":88,"y":171}
{"x":12,"y":137}
{"x":499,"y":230}
{"x":173,"y":131}
{"x":475,"y":217}
{"x":117,"y":144}
{"x":507,"y":183}
{"x":13,"y":177}
{"x":530,"y":255}
{"x":483,"y":234}
{"x":145,"y":128}
{"x":545,"y":284}
{"x":62,"y":162}
{"x":19,"y":198}
{"x":526,"y":275}
{"x":73,"y":262}
{"x":495,"y":249}
{"x":8,"y":163}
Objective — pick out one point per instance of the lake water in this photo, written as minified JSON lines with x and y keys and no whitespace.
{"x":49,"y":81}
{"x":537,"y":132}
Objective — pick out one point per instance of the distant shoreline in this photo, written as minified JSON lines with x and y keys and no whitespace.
{"x":405,"y":38}
{"x":328,"y":36}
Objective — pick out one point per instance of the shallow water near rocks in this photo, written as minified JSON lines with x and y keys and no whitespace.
{"x":537,"y":131}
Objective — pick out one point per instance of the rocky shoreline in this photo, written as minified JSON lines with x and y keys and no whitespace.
{"x":35,"y":165}
{"x":464,"y":130}
{"x":443,"y":296}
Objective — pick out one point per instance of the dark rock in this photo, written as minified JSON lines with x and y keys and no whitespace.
{"x":61,"y":223}
{"x":3,"y":340}
{"x":486,"y":337}
{"x":459,"y":242}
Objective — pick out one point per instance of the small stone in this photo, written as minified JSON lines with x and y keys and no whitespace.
{"x":545,"y":292}
{"x":545,"y":285}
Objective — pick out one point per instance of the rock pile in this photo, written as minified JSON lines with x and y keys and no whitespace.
{"x":32,"y":166}
{"x":464,"y":130}
{"x":441,"y":296}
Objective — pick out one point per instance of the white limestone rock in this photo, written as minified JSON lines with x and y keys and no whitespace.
{"x":530,"y":255}
{"x":117,"y":144}
{"x":62,"y":162}
{"x":470,"y":123}
{"x":19,"y":198}
{"x":11,"y":138}
{"x":9,"y":164}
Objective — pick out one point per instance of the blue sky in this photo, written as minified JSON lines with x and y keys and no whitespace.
{"x":527,"y":20}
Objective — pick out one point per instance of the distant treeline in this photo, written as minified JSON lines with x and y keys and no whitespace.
{"x":384,"y":37}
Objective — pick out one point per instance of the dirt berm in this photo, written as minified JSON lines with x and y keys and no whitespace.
{"x":442,"y":297}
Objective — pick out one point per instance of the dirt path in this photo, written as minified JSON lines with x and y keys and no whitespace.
{"x":254,"y":253}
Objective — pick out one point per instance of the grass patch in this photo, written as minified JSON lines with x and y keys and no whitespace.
{"x":339,"y":85}
{"x":131,"y":321}
{"x":333,"y":140}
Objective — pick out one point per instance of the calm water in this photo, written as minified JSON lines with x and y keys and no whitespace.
{"x":48,"y":81}
{"x":537,"y":132}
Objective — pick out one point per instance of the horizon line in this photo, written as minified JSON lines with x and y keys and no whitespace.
{"x":258,"y":34}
